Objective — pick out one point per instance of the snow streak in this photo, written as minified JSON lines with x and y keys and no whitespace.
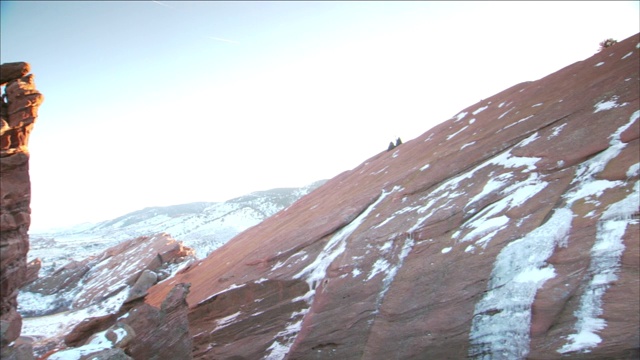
{"x":606,"y":251}
{"x":501,"y":325}
{"x":313,"y":274}
{"x":316,"y":271}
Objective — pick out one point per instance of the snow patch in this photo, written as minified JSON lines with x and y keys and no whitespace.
{"x":529,"y":140}
{"x":379,"y":171}
{"x":392,"y":270}
{"x":634,"y":170}
{"x":479,"y":110}
{"x":446,"y":250}
{"x":556,"y":131}
{"x":460,"y":116}
{"x":607,"y":105}
{"x":386,"y":246}
{"x":449,"y":137}
{"x":599,"y":64}
{"x":627,"y":55}
{"x":535,"y":275}
{"x":279,"y":350}
{"x":381,"y":265}
{"x":467,"y":144}
{"x":233,"y":286}
{"x":441,"y":197}
{"x":225,"y":321}
{"x":517,"y":122}
{"x":485,"y":226}
{"x":504,"y":113}
{"x":424,"y":167}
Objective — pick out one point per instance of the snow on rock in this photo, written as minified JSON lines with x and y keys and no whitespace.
{"x":605,"y":264}
{"x":607,"y":104}
{"x":56,"y":303}
{"x":502,"y":317}
{"x":522,"y":246}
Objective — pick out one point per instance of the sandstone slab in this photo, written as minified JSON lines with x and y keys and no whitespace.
{"x":510,"y":231}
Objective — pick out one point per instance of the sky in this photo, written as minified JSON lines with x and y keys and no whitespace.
{"x":157,"y":103}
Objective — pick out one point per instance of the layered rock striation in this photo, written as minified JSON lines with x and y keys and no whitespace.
{"x":510,"y":231}
{"x":18,"y":113}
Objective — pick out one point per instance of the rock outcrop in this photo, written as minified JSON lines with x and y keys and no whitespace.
{"x":510,"y":231}
{"x":124,"y":271}
{"x":141,"y":332}
{"x":106,"y":286}
{"x":18,"y":112}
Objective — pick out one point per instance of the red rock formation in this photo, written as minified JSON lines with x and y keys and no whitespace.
{"x":161,"y":333}
{"x":117,"y":269}
{"x":18,"y":112}
{"x":509,"y":231}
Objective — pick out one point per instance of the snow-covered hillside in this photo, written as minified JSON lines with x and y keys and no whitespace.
{"x":66,"y":252}
{"x":203,"y":226}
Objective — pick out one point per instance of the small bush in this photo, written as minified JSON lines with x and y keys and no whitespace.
{"x":607,"y":43}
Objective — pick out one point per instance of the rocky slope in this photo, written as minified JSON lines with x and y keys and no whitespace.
{"x":96,"y":287}
{"x":18,"y":113}
{"x":510,"y":231}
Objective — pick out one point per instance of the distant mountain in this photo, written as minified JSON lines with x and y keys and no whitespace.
{"x":203,"y":226}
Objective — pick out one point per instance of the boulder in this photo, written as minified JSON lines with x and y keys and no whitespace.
{"x":146,"y":280}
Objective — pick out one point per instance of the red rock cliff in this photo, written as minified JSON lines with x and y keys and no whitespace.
{"x":508,"y":232}
{"x":19,"y":109}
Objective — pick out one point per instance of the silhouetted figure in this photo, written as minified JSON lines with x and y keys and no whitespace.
{"x":398,"y":142}
{"x":391,"y":146}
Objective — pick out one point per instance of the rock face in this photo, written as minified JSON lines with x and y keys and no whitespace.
{"x":510,"y":231}
{"x":18,"y":112}
{"x":161,"y":333}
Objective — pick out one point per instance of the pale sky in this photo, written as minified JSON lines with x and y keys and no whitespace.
{"x":158,"y":103}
